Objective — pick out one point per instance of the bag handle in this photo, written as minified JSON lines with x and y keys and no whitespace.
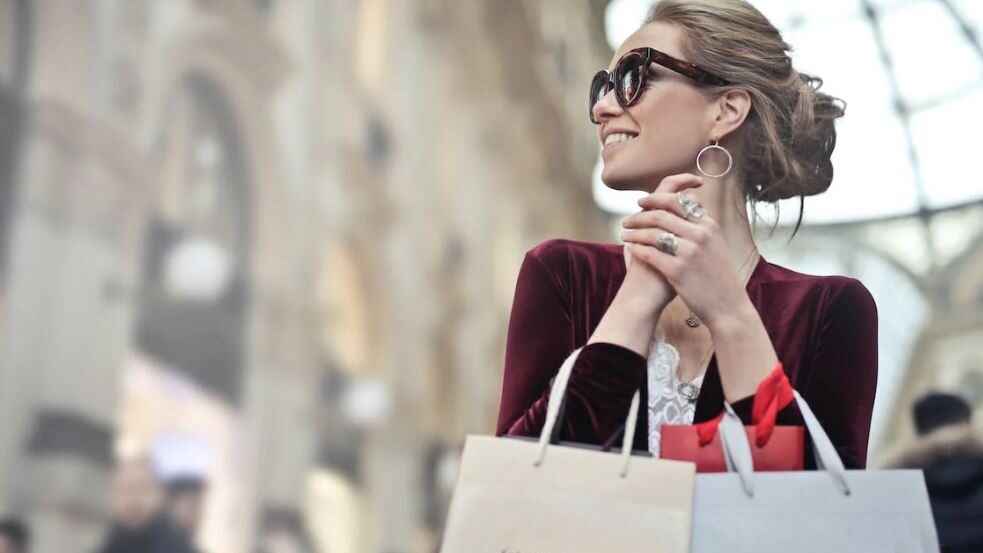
{"x":558,"y":391}
{"x":737,"y":451}
{"x":774,"y":393}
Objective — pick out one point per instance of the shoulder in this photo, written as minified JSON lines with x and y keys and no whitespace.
{"x":586,"y":275}
{"x":830,"y":291}
{"x":564,"y":250}
{"x":562,"y":255}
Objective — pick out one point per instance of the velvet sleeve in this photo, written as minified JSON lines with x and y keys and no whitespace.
{"x":843,"y":379}
{"x":540,"y":337}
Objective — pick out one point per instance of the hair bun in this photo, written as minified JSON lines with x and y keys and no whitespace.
{"x":788,"y":136}
{"x":811,"y":140}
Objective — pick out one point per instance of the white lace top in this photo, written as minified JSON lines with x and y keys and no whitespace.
{"x":665,"y":404}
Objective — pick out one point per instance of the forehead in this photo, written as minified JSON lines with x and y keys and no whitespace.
{"x":661,"y":36}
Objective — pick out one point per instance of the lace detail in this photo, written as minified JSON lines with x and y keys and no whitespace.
{"x":665,"y":405}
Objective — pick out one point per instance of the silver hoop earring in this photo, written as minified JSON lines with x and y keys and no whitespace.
{"x":714,"y":146}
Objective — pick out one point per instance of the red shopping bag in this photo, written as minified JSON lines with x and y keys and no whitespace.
{"x":773,"y":448}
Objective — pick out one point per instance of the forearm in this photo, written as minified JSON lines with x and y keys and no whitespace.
{"x":745,"y":354}
{"x":629,"y":322}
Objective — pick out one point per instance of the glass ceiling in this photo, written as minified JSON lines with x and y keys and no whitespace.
{"x":911,"y":72}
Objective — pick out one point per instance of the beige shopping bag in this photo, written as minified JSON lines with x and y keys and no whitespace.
{"x":516,"y":496}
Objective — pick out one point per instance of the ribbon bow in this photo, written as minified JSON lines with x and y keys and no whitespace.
{"x":774,"y":394}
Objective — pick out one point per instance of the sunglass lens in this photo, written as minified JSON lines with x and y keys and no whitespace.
{"x":628,"y":77}
{"x":598,"y":88}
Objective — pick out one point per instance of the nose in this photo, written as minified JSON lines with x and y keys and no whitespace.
{"x":606,"y":108}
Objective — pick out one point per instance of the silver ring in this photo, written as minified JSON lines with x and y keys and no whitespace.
{"x":690,"y":207}
{"x":667,"y":243}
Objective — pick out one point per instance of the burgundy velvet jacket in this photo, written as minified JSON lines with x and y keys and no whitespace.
{"x":824,"y":330}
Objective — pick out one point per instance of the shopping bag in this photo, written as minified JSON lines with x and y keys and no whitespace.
{"x":773,"y":448}
{"x":536,"y":497}
{"x":832,"y":509}
{"x":784,"y":451}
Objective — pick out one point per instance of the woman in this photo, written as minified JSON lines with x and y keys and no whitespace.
{"x":701,"y":108}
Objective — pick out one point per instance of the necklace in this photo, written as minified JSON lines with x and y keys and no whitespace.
{"x":686,"y":389}
{"x":693,"y":321}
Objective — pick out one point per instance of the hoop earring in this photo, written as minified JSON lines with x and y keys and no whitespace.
{"x":714,"y":146}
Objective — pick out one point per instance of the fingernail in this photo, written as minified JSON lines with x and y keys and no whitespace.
{"x":623,"y":235}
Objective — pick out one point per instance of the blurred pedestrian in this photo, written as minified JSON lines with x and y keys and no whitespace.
{"x":951,"y":455}
{"x":15,"y":537}
{"x":140,"y":522}
{"x":186,"y":502}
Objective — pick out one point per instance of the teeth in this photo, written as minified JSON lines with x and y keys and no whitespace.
{"x":617,"y":137}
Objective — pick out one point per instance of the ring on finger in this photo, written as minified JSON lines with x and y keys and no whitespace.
{"x":692,"y":208}
{"x":667,"y":243}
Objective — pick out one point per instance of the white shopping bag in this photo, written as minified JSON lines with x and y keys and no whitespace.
{"x":526,"y":497}
{"x":824,"y":511}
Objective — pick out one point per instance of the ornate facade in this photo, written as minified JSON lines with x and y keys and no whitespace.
{"x":364,"y":177}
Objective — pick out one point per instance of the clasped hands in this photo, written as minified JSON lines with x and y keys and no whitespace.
{"x":694,"y":260}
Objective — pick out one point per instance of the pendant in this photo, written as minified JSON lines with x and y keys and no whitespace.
{"x":688,"y":391}
{"x":693,"y":321}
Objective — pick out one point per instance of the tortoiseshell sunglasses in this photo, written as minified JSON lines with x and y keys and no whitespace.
{"x":631,"y":72}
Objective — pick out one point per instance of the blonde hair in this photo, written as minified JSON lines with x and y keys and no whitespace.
{"x":788,"y":136}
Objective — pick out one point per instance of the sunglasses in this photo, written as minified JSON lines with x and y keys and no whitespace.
{"x":631,"y":73}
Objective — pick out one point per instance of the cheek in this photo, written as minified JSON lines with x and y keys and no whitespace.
{"x":671,"y":131}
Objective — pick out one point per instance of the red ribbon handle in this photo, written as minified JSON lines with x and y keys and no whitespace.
{"x":774,"y":394}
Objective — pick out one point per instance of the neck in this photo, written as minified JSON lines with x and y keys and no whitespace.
{"x":724,"y":201}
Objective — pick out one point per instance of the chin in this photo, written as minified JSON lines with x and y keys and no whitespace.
{"x":621,"y":181}
{"x":615,"y":184}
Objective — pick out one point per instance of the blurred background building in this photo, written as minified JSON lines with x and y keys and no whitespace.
{"x":273,"y":243}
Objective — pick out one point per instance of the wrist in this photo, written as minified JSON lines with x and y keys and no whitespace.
{"x":735,"y":321}
{"x":641,"y":301}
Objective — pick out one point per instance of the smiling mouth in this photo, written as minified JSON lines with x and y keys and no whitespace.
{"x":617,"y":138}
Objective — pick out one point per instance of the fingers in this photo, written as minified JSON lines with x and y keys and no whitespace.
{"x":663,"y":262}
{"x":666,"y":194}
{"x":651,"y":237}
{"x":660,"y":219}
{"x":677,"y":183}
{"x":667,"y":201}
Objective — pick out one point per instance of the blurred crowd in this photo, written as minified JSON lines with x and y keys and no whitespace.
{"x":149,"y":515}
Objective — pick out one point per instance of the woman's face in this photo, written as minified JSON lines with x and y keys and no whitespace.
{"x":667,"y":126}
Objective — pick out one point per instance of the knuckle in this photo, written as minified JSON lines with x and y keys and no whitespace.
{"x":702,"y":235}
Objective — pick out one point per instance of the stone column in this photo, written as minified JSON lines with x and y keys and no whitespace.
{"x":73,"y":268}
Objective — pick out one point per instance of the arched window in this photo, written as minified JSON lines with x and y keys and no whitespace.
{"x":196,"y":254}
